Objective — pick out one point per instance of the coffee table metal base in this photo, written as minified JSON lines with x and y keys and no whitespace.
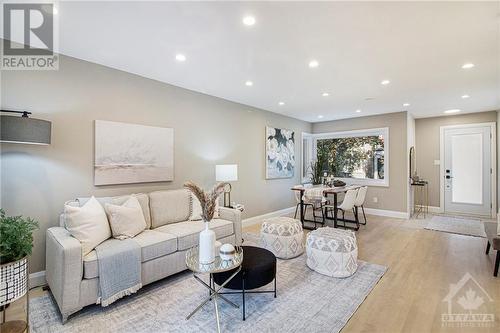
{"x":213,"y":294}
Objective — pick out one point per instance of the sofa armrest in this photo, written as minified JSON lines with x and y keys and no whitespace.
{"x":64,"y":269}
{"x":234,"y":216}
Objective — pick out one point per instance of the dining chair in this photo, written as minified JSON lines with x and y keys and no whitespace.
{"x":346,"y":205}
{"x":306,"y":203}
{"x":360,"y":201}
{"x":316,"y":197}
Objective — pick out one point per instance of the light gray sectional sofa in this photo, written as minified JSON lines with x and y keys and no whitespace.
{"x":73,"y":279}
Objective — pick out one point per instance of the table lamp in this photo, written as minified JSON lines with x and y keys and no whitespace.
{"x":226,"y":173}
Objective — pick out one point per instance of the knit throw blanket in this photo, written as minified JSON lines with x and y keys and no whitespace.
{"x":119,"y":264}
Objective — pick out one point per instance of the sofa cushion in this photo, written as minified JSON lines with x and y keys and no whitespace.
{"x":153,"y":244}
{"x":169,"y":207}
{"x":119,"y":200}
{"x":90,"y":267}
{"x":187,"y":232}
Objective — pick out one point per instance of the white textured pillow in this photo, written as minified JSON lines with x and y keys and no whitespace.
{"x":88,"y":224}
{"x":126,"y":220}
{"x":196,"y":209}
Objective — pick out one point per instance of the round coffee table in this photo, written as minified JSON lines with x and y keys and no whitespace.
{"x":257,"y":270}
{"x":218,"y":266}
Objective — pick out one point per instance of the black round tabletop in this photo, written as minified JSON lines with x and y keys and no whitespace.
{"x":258,"y":269}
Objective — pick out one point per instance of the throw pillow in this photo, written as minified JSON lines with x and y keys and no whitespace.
{"x":126,"y":220}
{"x":88,"y":224}
{"x":196,"y":209}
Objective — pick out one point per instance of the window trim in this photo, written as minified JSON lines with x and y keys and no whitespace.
{"x":305,"y":135}
{"x":384,"y":131}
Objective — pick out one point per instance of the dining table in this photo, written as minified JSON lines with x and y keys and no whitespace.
{"x":333,"y":191}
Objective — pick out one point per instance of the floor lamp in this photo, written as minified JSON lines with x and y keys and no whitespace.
{"x":226,"y":173}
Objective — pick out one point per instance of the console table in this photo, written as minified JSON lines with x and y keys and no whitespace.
{"x":420,"y":198}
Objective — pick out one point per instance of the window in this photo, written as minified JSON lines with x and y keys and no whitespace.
{"x":360,"y":157}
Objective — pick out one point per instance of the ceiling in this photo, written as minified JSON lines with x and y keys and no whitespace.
{"x":419,"y":46}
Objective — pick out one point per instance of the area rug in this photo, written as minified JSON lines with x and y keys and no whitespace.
{"x":457,"y":225}
{"x":306,"y":302}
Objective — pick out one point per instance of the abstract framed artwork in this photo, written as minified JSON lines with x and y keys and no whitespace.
{"x":280,"y":153}
{"x":130,"y":153}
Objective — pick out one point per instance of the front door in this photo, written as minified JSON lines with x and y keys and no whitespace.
{"x":467,"y":170}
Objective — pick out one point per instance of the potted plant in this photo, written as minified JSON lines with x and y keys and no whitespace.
{"x":315,"y":172}
{"x":16,"y":244}
{"x":16,"y":241}
{"x":208,"y":203}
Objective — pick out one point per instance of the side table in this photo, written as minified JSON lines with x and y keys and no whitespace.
{"x":420,"y":198}
{"x":218,"y":266}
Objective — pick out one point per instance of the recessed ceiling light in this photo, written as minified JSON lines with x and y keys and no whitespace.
{"x":325,"y":94}
{"x":180,"y":57}
{"x":249,"y":20}
{"x":320,"y":116}
{"x":281,"y":103}
{"x":468,"y":65}
{"x":465,"y":96}
{"x":385,"y":82}
{"x":406,"y":104}
{"x":452,"y":111}
{"x":358,"y":111}
{"x":249,"y":83}
{"x":313,"y":63}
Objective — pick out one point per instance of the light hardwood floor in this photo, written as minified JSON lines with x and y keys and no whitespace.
{"x":421,"y":266}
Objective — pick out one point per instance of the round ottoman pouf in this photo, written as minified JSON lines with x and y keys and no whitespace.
{"x":283,"y":236}
{"x":332,"y":252}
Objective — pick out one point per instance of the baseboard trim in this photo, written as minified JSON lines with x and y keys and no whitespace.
{"x":371,"y":211}
{"x":256,"y":219}
{"x":434,"y":209}
{"x":37,"y":279}
{"x":387,"y":213}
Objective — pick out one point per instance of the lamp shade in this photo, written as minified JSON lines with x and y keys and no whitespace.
{"x":226,"y":172}
{"x":24,"y":130}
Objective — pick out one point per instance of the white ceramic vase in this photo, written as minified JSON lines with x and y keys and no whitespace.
{"x":207,"y":245}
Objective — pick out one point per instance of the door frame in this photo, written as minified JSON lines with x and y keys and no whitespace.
{"x":493,"y":165}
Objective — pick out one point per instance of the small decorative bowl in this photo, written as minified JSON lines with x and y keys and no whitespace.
{"x":227,"y":252}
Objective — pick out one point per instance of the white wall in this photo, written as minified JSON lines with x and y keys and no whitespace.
{"x":37,"y":180}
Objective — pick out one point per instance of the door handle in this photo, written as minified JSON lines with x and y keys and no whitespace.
{"x":448,"y":177}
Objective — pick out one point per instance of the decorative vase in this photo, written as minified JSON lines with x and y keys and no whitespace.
{"x":207,"y":245}
{"x":227,"y":252}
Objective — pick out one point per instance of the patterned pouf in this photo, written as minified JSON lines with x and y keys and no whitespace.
{"x":332,"y":252}
{"x":282,"y":236}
